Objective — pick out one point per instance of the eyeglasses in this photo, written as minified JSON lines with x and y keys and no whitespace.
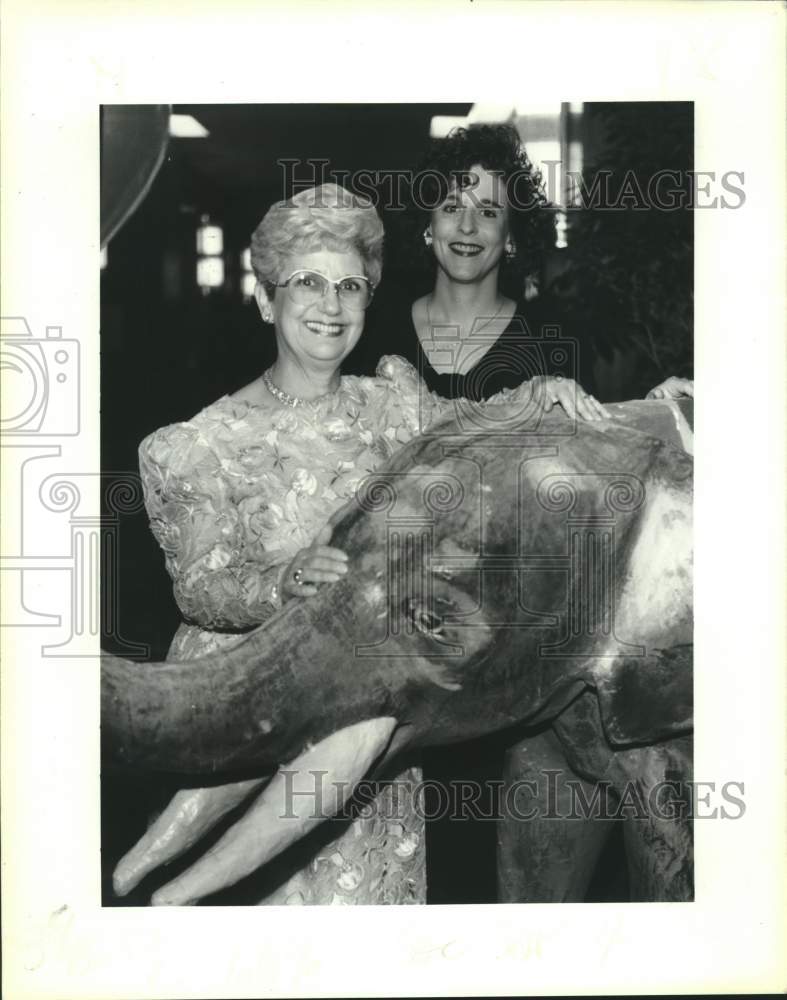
{"x":308,"y":287}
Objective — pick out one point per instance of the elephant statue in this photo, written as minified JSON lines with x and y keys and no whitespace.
{"x":538,"y":575}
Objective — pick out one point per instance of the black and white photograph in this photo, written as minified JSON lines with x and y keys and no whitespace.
{"x":494,"y":644}
{"x":353,"y":551}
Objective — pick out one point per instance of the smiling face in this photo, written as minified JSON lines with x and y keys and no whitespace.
{"x":470,"y":228}
{"x":322,"y":332}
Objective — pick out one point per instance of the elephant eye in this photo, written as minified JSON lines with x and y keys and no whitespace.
{"x":423,"y":618}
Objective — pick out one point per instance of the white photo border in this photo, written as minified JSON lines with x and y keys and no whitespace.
{"x":60,"y":62}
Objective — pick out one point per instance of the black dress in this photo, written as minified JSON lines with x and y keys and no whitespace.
{"x":536,"y":341}
{"x":459,"y":789}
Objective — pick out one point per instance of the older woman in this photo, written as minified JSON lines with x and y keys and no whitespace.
{"x":240,"y":497}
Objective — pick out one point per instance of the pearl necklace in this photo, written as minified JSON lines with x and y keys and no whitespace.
{"x":285,"y":398}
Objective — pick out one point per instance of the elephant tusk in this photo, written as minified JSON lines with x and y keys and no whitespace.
{"x":287,"y":809}
{"x":188,"y":817}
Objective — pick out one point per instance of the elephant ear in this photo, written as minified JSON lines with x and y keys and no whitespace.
{"x":644,"y":699}
{"x":645,"y":691}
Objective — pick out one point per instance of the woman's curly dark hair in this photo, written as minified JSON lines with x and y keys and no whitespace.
{"x":496,"y":148}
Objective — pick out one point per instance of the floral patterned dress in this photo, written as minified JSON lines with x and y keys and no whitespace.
{"x":232,"y":495}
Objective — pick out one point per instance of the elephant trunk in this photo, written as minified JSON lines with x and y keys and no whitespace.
{"x":236,"y":709}
{"x":179,"y":716}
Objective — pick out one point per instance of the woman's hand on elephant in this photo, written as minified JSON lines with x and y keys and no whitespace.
{"x":569,"y":394}
{"x":316,"y":564}
{"x":673,"y":388}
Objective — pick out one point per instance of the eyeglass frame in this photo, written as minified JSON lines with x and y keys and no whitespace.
{"x":329,"y":282}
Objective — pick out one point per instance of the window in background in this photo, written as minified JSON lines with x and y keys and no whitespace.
{"x":247,"y":277}
{"x":186,"y":127}
{"x":552,"y":136}
{"x":210,"y":260}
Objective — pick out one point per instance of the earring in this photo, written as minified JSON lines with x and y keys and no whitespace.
{"x":428,"y":236}
{"x":510,"y":250}
{"x":267,"y":315}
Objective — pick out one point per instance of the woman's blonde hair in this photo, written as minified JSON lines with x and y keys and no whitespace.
{"x":327,"y":217}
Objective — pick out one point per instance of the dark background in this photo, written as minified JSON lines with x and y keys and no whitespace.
{"x":167,"y":350}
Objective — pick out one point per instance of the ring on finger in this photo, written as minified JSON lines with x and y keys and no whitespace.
{"x":298,"y":577}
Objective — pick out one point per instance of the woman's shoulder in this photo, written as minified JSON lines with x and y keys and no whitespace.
{"x":394,"y":398}
{"x":392,"y":371}
{"x":213,"y":432}
{"x":394,"y":389}
{"x":395,"y":370}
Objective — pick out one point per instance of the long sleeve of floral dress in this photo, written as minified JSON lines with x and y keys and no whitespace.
{"x":203,"y":521}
